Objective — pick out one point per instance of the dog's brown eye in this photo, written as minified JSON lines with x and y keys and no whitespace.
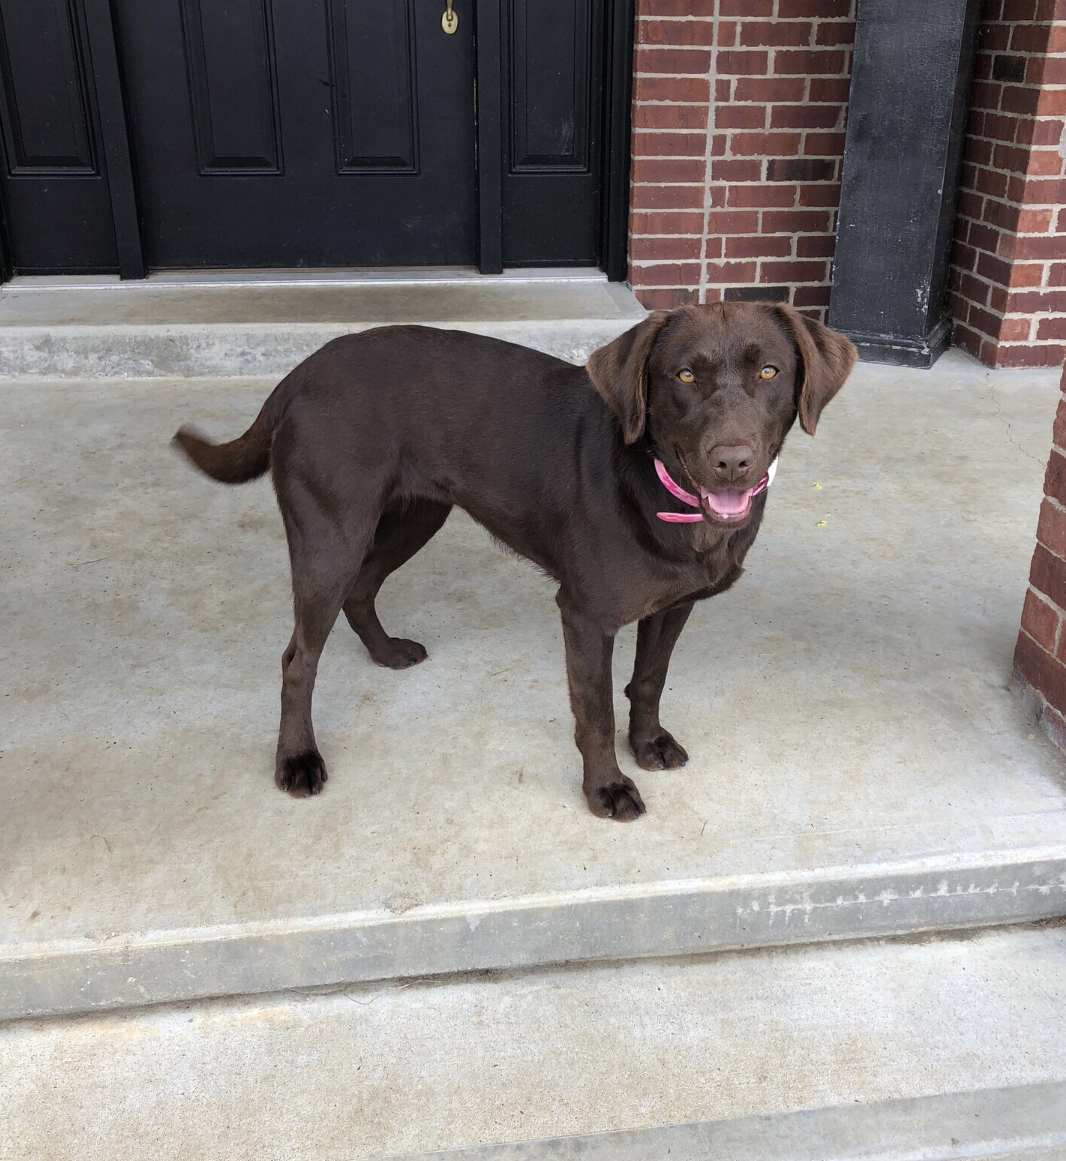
{"x":686,"y":376}
{"x":767,"y":372}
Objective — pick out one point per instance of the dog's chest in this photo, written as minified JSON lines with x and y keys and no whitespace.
{"x":653,"y":592}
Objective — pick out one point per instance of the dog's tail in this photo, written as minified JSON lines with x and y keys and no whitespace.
{"x":247,"y":457}
{"x":242,"y":459}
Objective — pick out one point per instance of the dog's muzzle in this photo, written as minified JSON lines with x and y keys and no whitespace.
{"x":726,"y":505}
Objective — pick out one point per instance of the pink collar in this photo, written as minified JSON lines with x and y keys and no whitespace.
{"x":675,"y":489}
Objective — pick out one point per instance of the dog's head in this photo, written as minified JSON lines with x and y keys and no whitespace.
{"x":716,"y":388}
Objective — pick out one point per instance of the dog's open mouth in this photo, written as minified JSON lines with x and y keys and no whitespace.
{"x":727,"y":506}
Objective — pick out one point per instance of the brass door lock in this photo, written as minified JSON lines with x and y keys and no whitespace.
{"x":449,"y":21}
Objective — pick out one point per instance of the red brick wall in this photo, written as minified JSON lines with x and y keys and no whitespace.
{"x":738,"y":188}
{"x":1040,"y":656}
{"x":1008,"y":279}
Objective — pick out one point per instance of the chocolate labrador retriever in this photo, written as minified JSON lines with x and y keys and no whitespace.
{"x":638,"y":483}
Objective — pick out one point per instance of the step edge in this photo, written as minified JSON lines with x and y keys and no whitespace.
{"x":265,"y":349}
{"x":766,"y":882}
{"x":996,"y":1123}
{"x":710,"y":917}
{"x":273,"y":326}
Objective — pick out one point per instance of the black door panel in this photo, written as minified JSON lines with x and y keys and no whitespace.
{"x":375,"y":112}
{"x":232,"y":86}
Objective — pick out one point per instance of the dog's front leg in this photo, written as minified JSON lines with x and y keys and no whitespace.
{"x":609,"y":792}
{"x":653,"y":747}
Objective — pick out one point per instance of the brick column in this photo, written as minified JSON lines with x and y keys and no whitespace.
{"x":1008,"y":281}
{"x":1040,"y":656}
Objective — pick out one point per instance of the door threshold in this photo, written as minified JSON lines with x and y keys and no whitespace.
{"x":378,"y":276}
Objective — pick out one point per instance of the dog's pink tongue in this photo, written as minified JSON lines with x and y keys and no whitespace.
{"x":727,"y":503}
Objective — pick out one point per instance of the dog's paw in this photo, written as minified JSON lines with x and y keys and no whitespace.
{"x":661,"y":751}
{"x":301,"y":775}
{"x":400,"y":653}
{"x":618,"y":800}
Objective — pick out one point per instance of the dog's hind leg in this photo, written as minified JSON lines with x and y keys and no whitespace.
{"x":325,"y":548}
{"x":404,"y":528}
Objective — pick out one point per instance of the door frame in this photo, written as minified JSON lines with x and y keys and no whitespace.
{"x":617,"y":137}
{"x":115,"y":136}
{"x":619,"y":17}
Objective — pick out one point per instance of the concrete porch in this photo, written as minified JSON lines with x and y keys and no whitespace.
{"x":858,"y":767}
{"x":858,"y":771}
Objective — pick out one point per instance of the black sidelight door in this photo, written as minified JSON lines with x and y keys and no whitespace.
{"x":553,"y":81}
{"x":183,"y":134}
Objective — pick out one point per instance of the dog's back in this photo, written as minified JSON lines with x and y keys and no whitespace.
{"x":434,"y":391}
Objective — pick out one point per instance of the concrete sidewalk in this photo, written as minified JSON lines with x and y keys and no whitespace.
{"x":857,"y":764}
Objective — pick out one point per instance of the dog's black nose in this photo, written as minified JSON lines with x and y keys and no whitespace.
{"x":732,"y":461}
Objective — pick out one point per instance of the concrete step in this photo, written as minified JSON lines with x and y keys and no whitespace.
{"x":180,"y":325}
{"x":931,"y":1049}
{"x":858,"y":767}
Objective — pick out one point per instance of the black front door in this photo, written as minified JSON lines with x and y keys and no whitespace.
{"x":291,"y":133}
{"x":178,"y":134}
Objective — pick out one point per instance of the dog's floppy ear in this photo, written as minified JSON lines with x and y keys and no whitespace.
{"x":827,"y":360}
{"x":619,"y":372}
